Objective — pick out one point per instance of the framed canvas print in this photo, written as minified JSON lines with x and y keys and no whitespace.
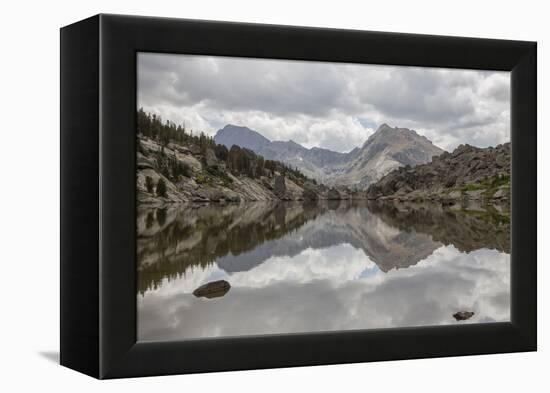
{"x":238,"y":196}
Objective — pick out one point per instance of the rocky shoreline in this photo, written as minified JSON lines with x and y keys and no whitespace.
{"x":196,"y":172}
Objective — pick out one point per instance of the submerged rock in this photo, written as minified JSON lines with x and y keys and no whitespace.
{"x":463,"y":315}
{"x":212,"y":289}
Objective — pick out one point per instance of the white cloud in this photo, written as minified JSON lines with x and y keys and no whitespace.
{"x":308,"y":266}
{"x":321,"y":104}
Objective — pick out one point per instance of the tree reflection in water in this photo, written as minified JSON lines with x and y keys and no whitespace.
{"x":301,"y":267}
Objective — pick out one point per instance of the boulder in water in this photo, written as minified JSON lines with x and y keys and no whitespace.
{"x":463,"y":315}
{"x":212,"y":289}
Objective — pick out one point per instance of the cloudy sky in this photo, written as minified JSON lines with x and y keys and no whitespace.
{"x":330,"y":105}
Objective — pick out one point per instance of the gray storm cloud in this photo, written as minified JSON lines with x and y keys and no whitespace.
{"x":329,"y":105}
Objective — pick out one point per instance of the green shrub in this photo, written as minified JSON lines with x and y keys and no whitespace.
{"x":220,"y":174}
{"x":202,"y":178}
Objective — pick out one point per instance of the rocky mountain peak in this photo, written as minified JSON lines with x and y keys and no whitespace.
{"x":295,"y":144}
{"x":395,"y":135}
{"x":241,"y":136}
{"x":384,"y":127}
{"x":386,"y":149}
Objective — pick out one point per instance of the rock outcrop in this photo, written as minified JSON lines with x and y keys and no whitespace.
{"x":468,"y":172}
{"x":310,"y":195}
{"x":280,"y":187}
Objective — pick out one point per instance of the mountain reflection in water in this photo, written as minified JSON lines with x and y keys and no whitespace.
{"x":297,"y":267}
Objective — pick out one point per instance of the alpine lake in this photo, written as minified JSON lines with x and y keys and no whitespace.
{"x":235,"y":269}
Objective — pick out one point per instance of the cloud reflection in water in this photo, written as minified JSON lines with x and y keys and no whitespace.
{"x":336,"y":287}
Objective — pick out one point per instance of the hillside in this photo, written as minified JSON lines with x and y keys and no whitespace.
{"x":385,"y":150}
{"x":467,"y":173}
{"x":175,"y":166}
{"x":316,"y":163}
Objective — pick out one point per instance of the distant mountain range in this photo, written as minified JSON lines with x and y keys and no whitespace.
{"x":387,"y":149}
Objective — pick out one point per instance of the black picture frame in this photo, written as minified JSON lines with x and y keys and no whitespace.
{"x":98,"y":208}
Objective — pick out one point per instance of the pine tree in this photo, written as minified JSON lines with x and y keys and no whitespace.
{"x":161,"y":188}
{"x":149,"y":184}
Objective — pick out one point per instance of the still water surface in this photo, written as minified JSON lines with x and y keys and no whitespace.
{"x":295,"y":267}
